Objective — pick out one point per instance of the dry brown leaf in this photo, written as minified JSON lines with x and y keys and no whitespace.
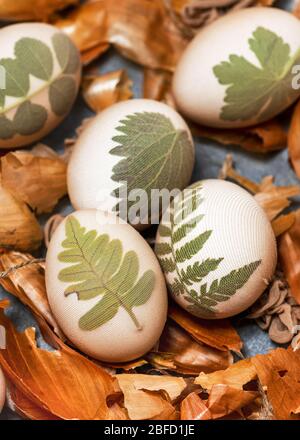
{"x":149,"y":397}
{"x":157,"y":86}
{"x":263,"y":138}
{"x":19,"y":229}
{"x":283,"y":223}
{"x":187,"y":356}
{"x":236,"y":376}
{"x":294,"y":134}
{"x":25,"y":279}
{"x":279,"y":374}
{"x":224,"y":400}
{"x":141,"y":30}
{"x":193,"y":408}
{"x":273,"y":199}
{"x":101,"y":91}
{"x":86,"y":26}
{"x":63,"y":383}
{"x":37,"y":177}
{"x":218,"y":334}
{"x":289,"y":256}
{"x":29,"y":10}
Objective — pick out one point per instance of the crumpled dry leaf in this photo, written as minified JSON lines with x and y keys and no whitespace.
{"x":273,"y":199}
{"x":25,"y":279}
{"x":149,"y":397}
{"x":157,"y":86}
{"x":218,"y":334}
{"x":224,"y":400}
{"x":87,"y":27}
{"x":279,"y":374}
{"x":277,"y":311}
{"x":194,"y":14}
{"x":289,"y":256}
{"x":194,"y":408}
{"x":236,"y":376}
{"x":101,"y":91}
{"x":36,"y":177}
{"x":29,"y":10}
{"x":294,"y":136}
{"x":141,"y":30}
{"x":62,"y":383}
{"x":263,"y":138}
{"x":186,"y":356}
{"x":19,"y":229}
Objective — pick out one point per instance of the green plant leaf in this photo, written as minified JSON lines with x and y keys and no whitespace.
{"x":163,"y":249}
{"x":258,"y":92}
{"x":196,"y":272}
{"x":155,"y":154}
{"x":29,"y":118}
{"x":7,"y":130}
{"x":17,"y":80}
{"x":192,"y":247}
{"x":97,"y":267}
{"x":35,"y":57}
{"x":168,"y":265}
{"x":66,"y":52}
{"x":62,"y":94}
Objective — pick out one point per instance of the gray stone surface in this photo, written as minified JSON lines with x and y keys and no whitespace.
{"x":209,"y":158}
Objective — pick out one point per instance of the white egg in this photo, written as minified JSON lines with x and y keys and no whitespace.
{"x":240,"y":70}
{"x":105,"y":286}
{"x":40,"y":73}
{"x":128,"y":151}
{"x":2,"y":390}
{"x":217,"y":249}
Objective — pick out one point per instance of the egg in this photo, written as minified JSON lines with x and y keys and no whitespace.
{"x":2,"y":390}
{"x":217,"y":249}
{"x":105,"y":286}
{"x":40,"y":72}
{"x":127,"y":154}
{"x":240,"y":70}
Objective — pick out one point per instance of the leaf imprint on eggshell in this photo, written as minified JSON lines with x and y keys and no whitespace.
{"x":99,"y":267}
{"x":155,"y":155}
{"x":258,"y":92}
{"x":33,"y":58}
{"x":184,"y":218}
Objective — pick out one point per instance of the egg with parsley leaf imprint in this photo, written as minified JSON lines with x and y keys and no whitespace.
{"x":105,"y":286}
{"x":2,"y":390}
{"x":241,"y":70}
{"x":217,"y":249}
{"x":126,"y":155}
{"x":40,"y":71}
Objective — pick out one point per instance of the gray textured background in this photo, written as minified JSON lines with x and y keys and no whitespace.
{"x":209,"y":159}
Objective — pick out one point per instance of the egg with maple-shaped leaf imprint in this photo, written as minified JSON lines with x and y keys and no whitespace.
{"x":129,"y":159}
{"x":2,"y":390}
{"x":40,"y":71}
{"x":105,"y":286}
{"x":217,"y":249}
{"x":241,"y":70}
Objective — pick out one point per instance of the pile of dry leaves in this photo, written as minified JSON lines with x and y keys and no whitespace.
{"x":207,"y":384}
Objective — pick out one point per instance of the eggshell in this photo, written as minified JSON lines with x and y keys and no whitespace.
{"x":122,"y":335}
{"x":217,"y":249}
{"x":160,"y":155}
{"x":40,"y":73}
{"x":214,"y":84}
{"x":2,"y":390}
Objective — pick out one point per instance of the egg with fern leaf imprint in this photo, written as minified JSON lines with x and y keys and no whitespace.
{"x":40,"y":72}
{"x":126,"y":156}
{"x":105,"y":286}
{"x":217,"y":249}
{"x":240,"y":70}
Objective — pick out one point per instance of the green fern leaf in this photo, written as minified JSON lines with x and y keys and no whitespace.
{"x":154,"y":154}
{"x":197,"y":271}
{"x":164,"y":231}
{"x":186,"y":228}
{"x":97,"y":267}
{"x":163,"y":249}
{"x":168,"y":265}
{"x":192,"y":247}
